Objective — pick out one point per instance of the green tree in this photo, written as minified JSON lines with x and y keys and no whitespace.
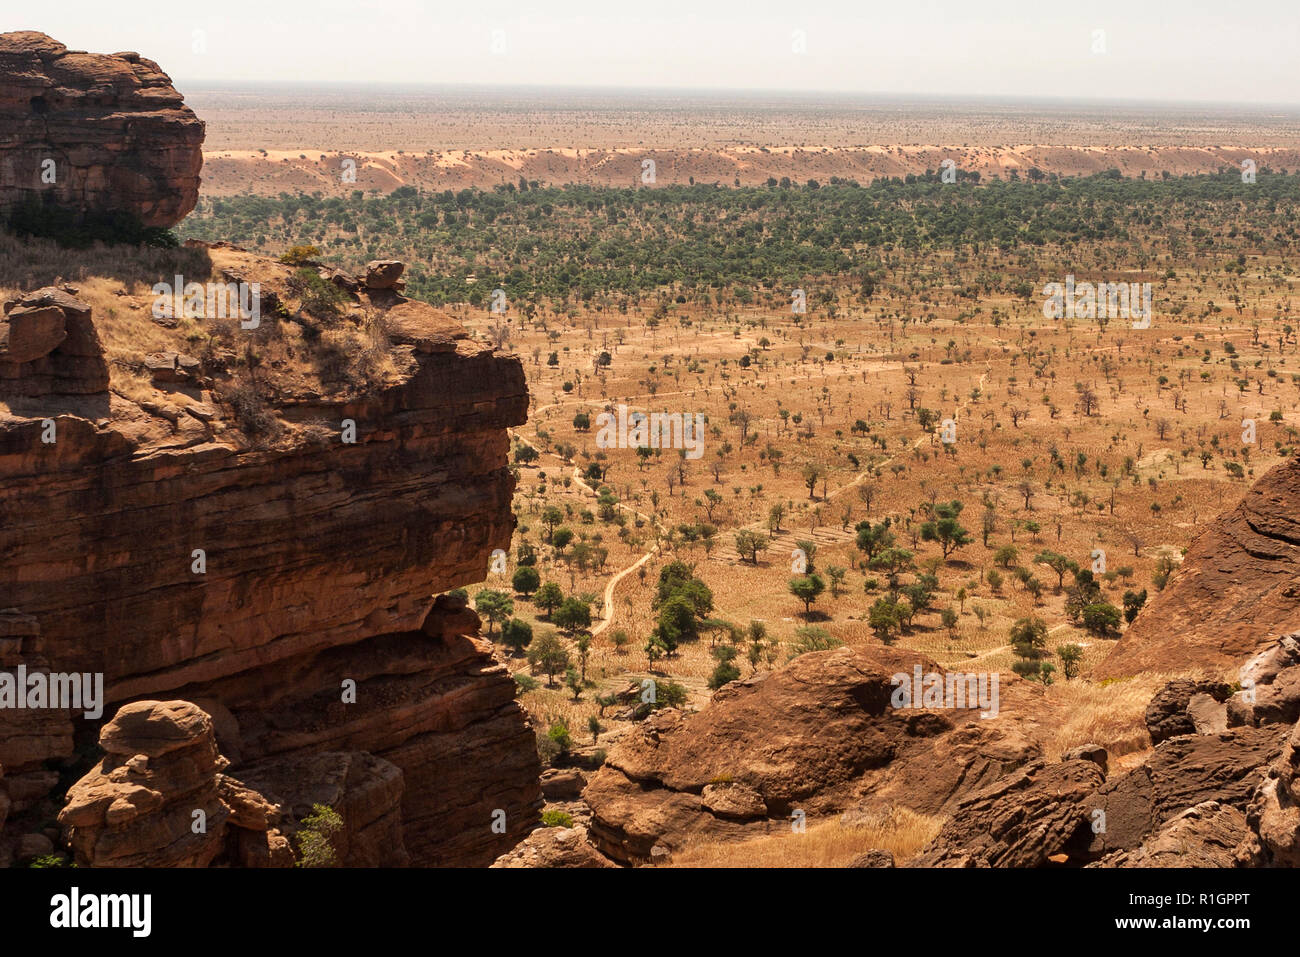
{"x":574,"y":614}
{"x":1101,"y":619}
{"x":526,"y":580}
{"x":726,"y":669}
{"x":1057,"y":563}
{"x":549,"y":597}
{"x":945,"y":529}
{"x":574,"y":682}
{"x":807,"y":588}
{"x":548,"y":653}
{"x":497,"y":606}
{"x":1029,"y":636}
{"x":517,"y":635}
{"x":1070,"y":656}
{"x":750,"y":543}
{"x":1133,"y":602}
{"x":315,"y":837}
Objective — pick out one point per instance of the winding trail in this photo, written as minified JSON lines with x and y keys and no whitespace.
{"x":607,"y":614}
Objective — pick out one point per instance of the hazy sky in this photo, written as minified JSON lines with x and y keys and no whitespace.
{"x":1136,"y":49}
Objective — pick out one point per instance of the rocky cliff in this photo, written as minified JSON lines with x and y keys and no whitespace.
{"x":94,"y":134}
{"x":257,"y":532}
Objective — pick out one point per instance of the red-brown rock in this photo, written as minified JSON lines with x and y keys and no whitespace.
{"x":119,"y":135}
{"x":1235,"y":593}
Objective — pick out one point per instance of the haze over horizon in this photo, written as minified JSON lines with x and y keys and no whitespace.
{"x":1190,"y":52}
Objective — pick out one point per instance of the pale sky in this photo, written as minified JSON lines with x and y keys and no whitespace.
{"x":1189,"y":50}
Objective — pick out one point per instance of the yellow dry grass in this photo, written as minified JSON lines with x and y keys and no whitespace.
{"x":828,"y":844}
{"x":1109,"y":713}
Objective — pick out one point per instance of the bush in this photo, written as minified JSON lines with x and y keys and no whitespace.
{"x":517,"y":635}
{"x":559,"y":733}
{"x":299,"y":255}
{"x":811,"y":638}
{"x":1101,"y":619}
{"x":318,"y":297}
{"x":556,"y":819}
{"x":526,"y":580}
{"x":315,"y":837}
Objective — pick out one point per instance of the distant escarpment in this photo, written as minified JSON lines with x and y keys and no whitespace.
{"x":237,"y":517}
{"x":94,"y":135}
{"x":1238,"y":588}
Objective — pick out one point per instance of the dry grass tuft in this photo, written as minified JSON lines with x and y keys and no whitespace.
{"x":1111,"y":713}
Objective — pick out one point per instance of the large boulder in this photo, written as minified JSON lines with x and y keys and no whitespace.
{"x":49,"y":346}
{"x":94,"y":134}
{"x":1205,"y":835}
{"x":1018,"y":821}
{"x":1185,"y":706}
{"x":554,"y":847}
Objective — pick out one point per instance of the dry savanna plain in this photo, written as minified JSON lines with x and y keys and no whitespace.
{"x":899,"y":444}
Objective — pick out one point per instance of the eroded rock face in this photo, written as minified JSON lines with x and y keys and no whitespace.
{"x":1181,"y":773}
{"x":1019,"y":821}
{"x":1270,"y":686}
{"x":1238,"y":589}
{"x":365,"y":790}
{"x":30,"y":738}
{"x":1274,"y":812}
{"x":818,"y":736}
{"x":110,"y":131}
{"x":1205,"y":835}
{"x":159,"y":798}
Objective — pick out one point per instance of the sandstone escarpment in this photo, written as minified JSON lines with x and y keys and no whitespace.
{"x":1236,"y":591}
{"x":283,"y":579}
{"x":94,"y":134}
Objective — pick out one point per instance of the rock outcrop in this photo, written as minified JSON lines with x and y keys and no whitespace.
{"x":1184,"y":706}
{"x":160,"y":798}
{"x":1205,"y":835}
{"x":94,"y":134}
{"x":49,"y":347}
{"x":1237,"y":591}
{"x":1273,"y":814}
{"x":554,"y":847}
{"x":1270,"y":685}
{"x":1018,"y":821}
{"x":153,"y":800}
{"x":31,"y":739}
{"x":1181,"y":773}
{"x":818,"y":736}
